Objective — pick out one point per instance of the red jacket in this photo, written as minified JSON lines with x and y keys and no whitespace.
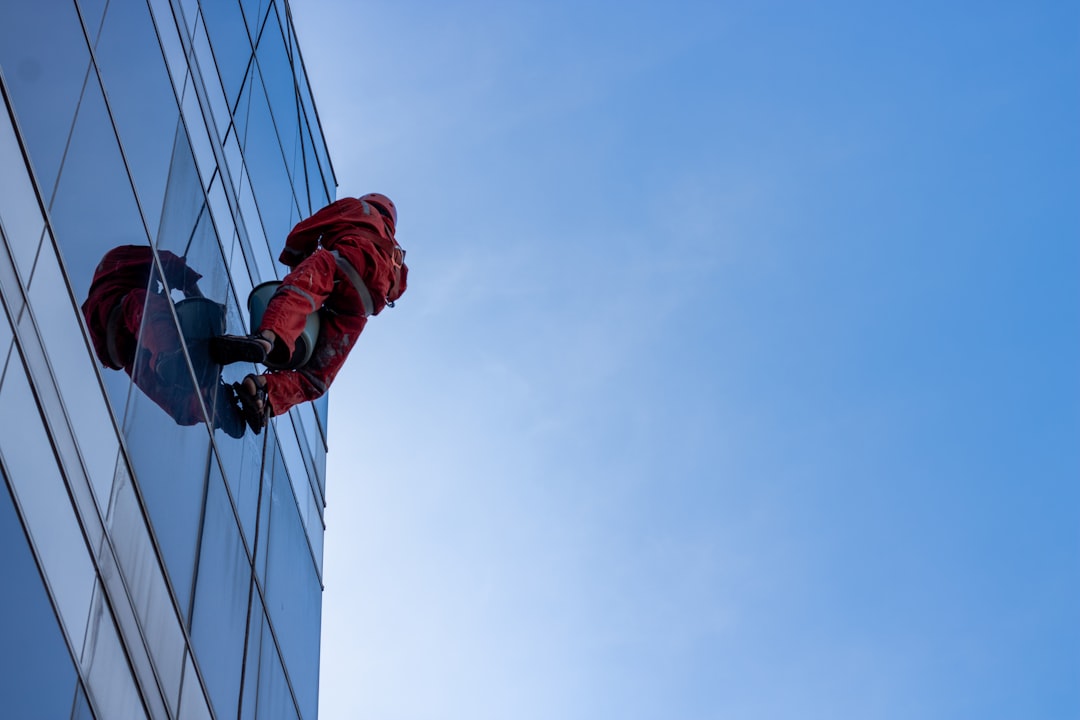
{"x":363,"y":236}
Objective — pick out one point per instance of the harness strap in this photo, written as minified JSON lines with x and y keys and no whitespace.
{"x":354,"y":277}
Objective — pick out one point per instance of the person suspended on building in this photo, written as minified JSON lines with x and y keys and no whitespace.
{"x":346,"y":265}
{"x":127,"y":311}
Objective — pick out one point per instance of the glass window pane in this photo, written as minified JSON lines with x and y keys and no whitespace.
{"x":222,"y":591}
{"x":146,"y":585}
{"x":274,"y":701}
{"x":294,"y":597}
{"x":198,"y":133}
{"x":252,"y":653}
{"x":20,"y":214}
{"x":44,"y":502}
{"x":37,"y":676}
{"x":140,"y":97}
{"x":241,"y":461}
{"x":193,"y":703}
{"x":232,"y":47}
{"x":45,"y":59}
{"x":73,"y":368}
{"x":81,"y":711}
{"x":94,"y":209}
{"x":280,"y":88}
{"x":266,"y":163}
{"x":110,"y":683}
{"x":252,"y":237}
{"x":220,"y":117}
{"x":93,"y":12}
{"x":169,"y":38}
{"x":170,"y":465}
{"x":255,"y":16}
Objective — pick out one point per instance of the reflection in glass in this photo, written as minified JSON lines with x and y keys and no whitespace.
{"x":131,"y":326}
{"x":37,"y":677}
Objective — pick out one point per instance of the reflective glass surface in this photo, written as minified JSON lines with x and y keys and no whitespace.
{"x":146,"y":585}
{"x":294,"y":596}
{"x":242,"y":462}
{"x":20,"y":214}
{"x":170,"y":463}
{"x":44,"y":503}
{"x":45,"y":59}
{"x":222,"y":591}
{"x":111,"y":685}
{"x":170,"y":43}
{"x":274,"y":700}
{"x":198,"y":133}
{"x":193,"y":703}
{"x":94,"y":209}
{"x":81,"y":711}
{"x":140,"y":97}
{"x":232,"y":47}
{"x":37,"y":676}
{"x":92,"y":11}
{"x":266,"y":161}
{"x":252,"y":653}
{"x":280,"y":88}
{"x":73,"y":367}
{"x":129,"y":631}
{"x":220,"y":116}
{"x":254,"y":16}
{"x":156,"y":247}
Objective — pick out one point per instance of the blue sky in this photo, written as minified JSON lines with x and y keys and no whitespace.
{"x":737,"y":376}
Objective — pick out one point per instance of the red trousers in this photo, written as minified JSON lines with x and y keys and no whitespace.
{"x":316,"y":284}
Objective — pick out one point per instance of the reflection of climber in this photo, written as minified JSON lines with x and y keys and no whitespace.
{"x":346,"y":265}
{"x":132,"y":329}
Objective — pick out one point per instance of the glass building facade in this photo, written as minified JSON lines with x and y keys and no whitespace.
{"x":157,"y":560}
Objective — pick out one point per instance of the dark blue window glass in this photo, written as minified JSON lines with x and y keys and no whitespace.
{"x":231,"y":45}
{"x":44,"y":58}
{"x":37,"y":676}
{"x":170,"y":464}
{"x":266,"y":162}
{"x":141,"y":98}
{"x":252,"y":653}
{"x":81,"y":711}
{"x":280,"y":88}
{"x":94,"y":209}
{"x":294,"y":595}
{"x":255,"y":16}
{"x":222,"y":593}
{"x":274,"y":700}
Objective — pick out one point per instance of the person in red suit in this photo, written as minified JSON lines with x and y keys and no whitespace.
{"x":347,"y":266}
